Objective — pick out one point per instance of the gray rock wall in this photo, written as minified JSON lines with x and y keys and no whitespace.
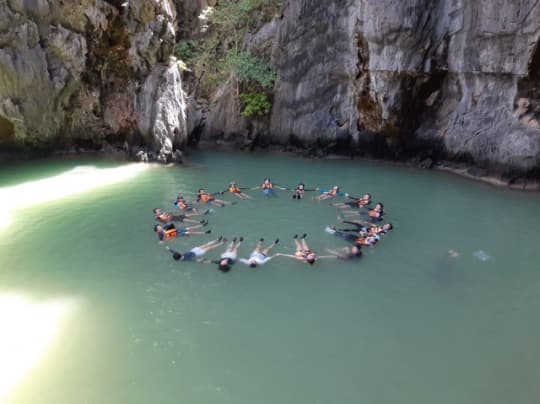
{"x":450,"y":79}
{"x":84,"y":72}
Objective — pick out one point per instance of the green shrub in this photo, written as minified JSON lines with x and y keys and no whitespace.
{"x":255,"y":104}
{"x":248,"y":67}
{"x":185,"y":50}
{"x":217,"y":55}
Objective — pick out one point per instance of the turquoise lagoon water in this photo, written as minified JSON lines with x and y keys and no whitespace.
{"x":94,"y":310}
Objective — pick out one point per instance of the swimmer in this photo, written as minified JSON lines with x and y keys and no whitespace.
{"x":237,"y":191}
{"x":197,"y":252}
{"x":326,"y":194}
{"x":362,"y":238}
{"x":182,"y":204}
{"x":299,"y":191}
{"x":368,"y":227}
{"x":228,"y":258}
{"x":303,"y":252}
{"x":347,"y":253}
{"x":165,"y":217}
{"x":356,"y":203}
{"x":170,"y":231}
{"x":375,"y":215}
{"x":204,"y":197}
{"x":268,"y":187}
{"x":259,"y":256}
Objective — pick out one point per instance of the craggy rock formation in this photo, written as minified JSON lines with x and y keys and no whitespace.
{"x":89,"y":72}
{"x":424,"y":79}
{"x":443,"y":79}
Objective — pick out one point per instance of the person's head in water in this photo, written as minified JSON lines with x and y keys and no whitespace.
{"x":157,"y":228}
{"x":379,"y":207}
{"x":301,"y":186}
{"x":356,"y":251}
{"x":225,"y":265}
{"x":310,"y":258}
{"x":176,"y":256}
{"x":252,"y":264}
{"x":201,"y":191}
{"x":387,"y":226}
{"x":367,"y":197}
{"x":157,"y":211}
{"x":266,"y":181}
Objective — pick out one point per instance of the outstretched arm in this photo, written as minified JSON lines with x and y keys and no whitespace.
{"x":171,"y":250}
{"x":324,"y":257}
{"x":207,"y":261}
{"x":284,"y":255}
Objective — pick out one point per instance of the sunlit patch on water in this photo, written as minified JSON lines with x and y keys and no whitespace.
{"x":29,"y":329}
{"x":78,"y":180}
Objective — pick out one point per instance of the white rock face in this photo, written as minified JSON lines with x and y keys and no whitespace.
{"x":161,"y":108}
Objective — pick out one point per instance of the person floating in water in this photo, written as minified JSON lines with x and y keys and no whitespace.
{"x":259,"y":256}
{"x":361,"y":238}
{"x":369,"y":228}
{"x":228,"y":258}
{"x":299,"y":191}
{"x":331,"y":193}
{"x":303,"y":252}
{"x":374,"y":215}
{"x":205,"y":197}
{"x":237,"y":191}
{"x":165,"y":217}
{"x":268,"y":187}
{"x":170,"y":231}
{"x":197,"y":252}
{"x":347,"y":253}
{"x":362,"y":202}
{"x":182,"y":204}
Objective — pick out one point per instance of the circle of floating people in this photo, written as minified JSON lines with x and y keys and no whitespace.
{"x":361,"y":226}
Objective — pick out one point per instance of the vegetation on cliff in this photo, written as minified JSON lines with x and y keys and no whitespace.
{"x":218,"y":54}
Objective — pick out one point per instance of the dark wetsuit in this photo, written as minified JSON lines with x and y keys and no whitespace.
{"x":165,"y":218}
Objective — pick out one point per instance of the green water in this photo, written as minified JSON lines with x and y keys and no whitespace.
{"x":406,"y":324}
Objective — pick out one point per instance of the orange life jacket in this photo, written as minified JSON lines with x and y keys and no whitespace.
{"x":207,"y":198}
{"x":171,"y":233}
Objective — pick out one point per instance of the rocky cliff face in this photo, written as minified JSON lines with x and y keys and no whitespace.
{"x":436,"y":79}
{"x":89,"y":72}
{"x":448,"y":79}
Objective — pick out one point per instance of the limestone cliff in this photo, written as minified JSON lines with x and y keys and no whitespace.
{"x":432,"y":79}
{"x":443,"y":79}
{"x":89,"y":72}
